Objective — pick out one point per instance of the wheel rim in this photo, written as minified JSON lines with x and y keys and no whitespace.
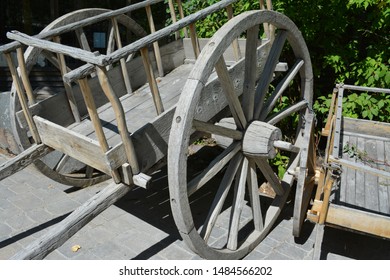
{"x":56,"y":165}
{"x":239,"y":164}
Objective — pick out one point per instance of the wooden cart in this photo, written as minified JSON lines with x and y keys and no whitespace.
{"x":115,"y":119}
{"x":353,"y":192}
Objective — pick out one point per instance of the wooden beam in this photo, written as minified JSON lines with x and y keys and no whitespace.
{"x":61,"y":232}
{"x":22,"y":160}
{"x":358,"y":220}
{"x":71,"y":143}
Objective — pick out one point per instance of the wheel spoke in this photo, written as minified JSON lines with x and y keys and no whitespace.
{"x":268,"y":71}
{"x":287,"y":112}
{"x":280,"y":88}
{"x":248,"y":98}
{"x":61,"y":163}
{"x":220,"y":197}
{"x":237,"y":206}
{"x":214,"y":167}
{"x":286,"y":146}
{"x":217,"y":130}
{"x":254,"y":196}
{"x":269,"y":175}
{"x":232,"y":98}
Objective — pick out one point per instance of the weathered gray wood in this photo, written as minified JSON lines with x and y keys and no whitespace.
{"x":173,"y":17}
{"x":22,"y":160}
{"x":188,"y":109}
{"x":274,"y":119}
{"x":237,"y":205}
{"x":337,"y":134}
{"x":280,"y":88}
{"x":383,"y":194}
{"x":61,"y":232}
{"x":259,"y":140}
{"x":22,"y":98}
{"x":125,"y":73}
{"x":248,"y":99}
{"x":23,"y":74}
{"x":351,"y":182}
{"x":286,"y":146}
{"x":360,"y":88}
{"x":362,"y":167}
{"x":120,"y":119}
{"x":371,"y":181}
{"x":77,"y":53}
{"x":360,"y":179}
{"x":217,"y":130}
{"x":73,"y":144}
{"x":82,"y":21}
{"x":155,"y":44}
{"x":220,"y":196}
{"x":254,"y":196}
{"x":213,"y":168}
{"x":269,"y":69}
{"x":366,"y":127}
{"x":68,"y":88}
{"x":387,"y":159}
{"x":228,"y":88}
{"x":194,"y":41}
{"x":270,"y":176}
{"x":152,"y":81}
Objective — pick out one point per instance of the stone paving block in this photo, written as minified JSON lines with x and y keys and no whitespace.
{"x":9,"y":251}
{"x":5,"y":232}
{"x":292,"y":251}
{"x":29,"y":203}
{"x":175,"y":252}
{"x":40,"y":215}
{"x":264,"y":249}
{"x":277,"y":256}
{"x":20,"y":222}
{"x":255,"y":255}
{"x":110,"y":250}
{"x":61,"y":206}
{"x":56,"y":255}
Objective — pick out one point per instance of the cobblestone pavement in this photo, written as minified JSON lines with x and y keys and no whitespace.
{"x":140,"y":226}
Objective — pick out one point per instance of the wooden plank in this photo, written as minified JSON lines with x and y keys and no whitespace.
{"x":155,"y":44}
{"x":248,"y":99}
{"x":77,"y":23}
{"x":358,"y":220}
{"x":23,"y":160}
{"x":220,"y":196}
{"x":371,"y":182}
{"x":228,"y":88}
{"x":152,"y":81}
{"x":387,"y":160}
{"x":237,"y":206}
{"x":71,"y":143}
{"x":366,"y":127}
{"x":384,"y":206}
{"x":122,"y":61}
{"x":228,"y":54}
{"x":62,"y":231}
{"x":360,"y":179}
{"x":350,"y":174}
{"x":269,"y":68}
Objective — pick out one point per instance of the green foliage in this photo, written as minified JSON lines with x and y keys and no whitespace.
{"x":280,"y":162}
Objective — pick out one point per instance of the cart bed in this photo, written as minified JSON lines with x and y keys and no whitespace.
{"x":367,"y":143}
{"x":139,"y":108}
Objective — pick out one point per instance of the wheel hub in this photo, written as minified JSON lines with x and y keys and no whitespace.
{"x":259,"y":138}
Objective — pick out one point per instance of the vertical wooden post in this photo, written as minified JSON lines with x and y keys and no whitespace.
{"x":155,"y":44}
{"x":23,"y":74}
{"x":173,"y":16}
{"x":152,"y":81}
{"x":271,"y":27}
{"x":22,"y":98}
{"x":92,"y":111}
{"x":181,"y":13}
{"x":194,"y":40}
{"x":125,"y":73}
{"x":236,"y":47}
{"x":68,"y":88}
{"x":265,"y":25}
{"x":120,"y":118}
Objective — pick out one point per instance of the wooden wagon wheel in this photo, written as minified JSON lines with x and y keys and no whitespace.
{"x":53,"y":164}
{"x":234,"y":225}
